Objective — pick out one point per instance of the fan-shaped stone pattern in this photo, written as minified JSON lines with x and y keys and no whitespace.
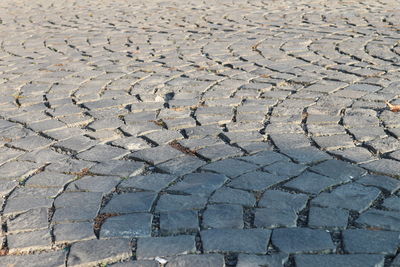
{"x":242,"y":133}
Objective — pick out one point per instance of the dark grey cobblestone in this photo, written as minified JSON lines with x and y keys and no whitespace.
{"x":199,"y":128}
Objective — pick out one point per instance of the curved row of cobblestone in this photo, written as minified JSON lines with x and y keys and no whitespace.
{"x":188,"y":133}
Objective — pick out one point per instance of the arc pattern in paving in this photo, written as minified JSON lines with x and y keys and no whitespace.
{"x":191,"y":133}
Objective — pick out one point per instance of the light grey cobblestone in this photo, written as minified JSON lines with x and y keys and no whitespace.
{"x":199,"y":128}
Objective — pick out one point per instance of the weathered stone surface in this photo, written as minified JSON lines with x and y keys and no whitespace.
{"x":349,"y":196}
{"x":256,"y":181}
{"x":302,"y":240}
{"x":175,"y":222}
{"x":130,"y":225}
{"x":207,"y":260}
{"x":338,"y":170}
{"x":274,"y":199}
{"x":72,"y":232}
{"x":311,"y":183}
{"x":53,"y":258}
{"x":159,"y":119}
{"x":328,"y":218}
{"x":223,"y":216}
{"x":95,"y":251}
{"x":231,"y":240}
{"x":130,"y":202}
{"x":233,"y":196}
{"x":30,"y":220}
{"x":29,"y":241}
{"x":230,"y":167}
{"x":385,"y":220}
{"x":370,"y":242}
{"x":332,"y":260}
{"x":275,"y":217}
{"x":152,"y":247}
{"x":382,"y":182}
{"x":180,"y":202}
{"x":260,"y":260}
{"x":153,"y":182}
{"x":202,"y":184}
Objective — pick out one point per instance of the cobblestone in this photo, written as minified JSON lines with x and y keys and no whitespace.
{"x":199,"y":128}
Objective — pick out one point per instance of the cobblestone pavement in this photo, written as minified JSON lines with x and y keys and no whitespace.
{"x":190,"y":133}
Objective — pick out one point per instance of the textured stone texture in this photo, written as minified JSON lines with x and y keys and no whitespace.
{"x":200,"y":127}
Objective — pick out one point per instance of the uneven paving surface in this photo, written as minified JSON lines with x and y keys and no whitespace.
{"x":189,"y":133}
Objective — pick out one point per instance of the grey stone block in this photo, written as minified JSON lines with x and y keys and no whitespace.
{"x":151,"y":247}
{"x":235,"y":240}
{"x":283,"y":168}
{"x":169,"y":202}
{"x":52,"y":258}
{"x":153,"y":182}
{"x":382,"y":182}
{"x":275,"y":217}
{"x":156,"y":155}
{"x":233,"y":196}
{"x":245,"y":260}
{"x":328,"y":218}
{"x":256,"y":181}
{"x":182,"y":165}
{"x":371,"y":242}
{"x":103,"y":184}
{"x":383,"y":166}
{"x":206,"y":260}
{"x":339,"y":170}
{"x":130,"y":202}
{"x":230,"y":167}
{"x":384,"y":220}
{"x":73,"y":232}
{"x":130,"y":225}
{"x":119,"y":168}
{"x":350,"y":196}
{"x":29,"y":241}
{"x":30,"y":220}
{"x":95,"y":251}
{"x":392,"y":203}
{"x":311,"y":183}
{"x":334,"y":260}
{"x":223,"y":216}
{"x":302,"y":240}
{"x":199,"y":183}
{"x":176,"y":222}
{"x":274,"y":199}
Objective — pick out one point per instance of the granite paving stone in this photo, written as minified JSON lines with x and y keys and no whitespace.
{"x":380,"y":219}
{"x":277,"y":259}
{"x":328,"y":218}
{"x":223,"y":216}
{"x":52,"y":258}
{"x":130,"y":202}
{"x":349,"y":196}
{"x":196,"y":129}
{"x":202,"y":184}
{"x":370,"y":242}
{"x":95,"y":251}
{"x":152,"y":247}
{"x":332,"y":260}
{"x":230,"y":167}
{"x":206,"y":260}
{"x":235,"y":240}
{"x":169,"y":202}
{"x":152,"y":182}
{"x":180,"y":221}
{"x":128,"y":226}
{"x":233,"y":196}
{"x":72,"y":232}
{"x":302,"y":240}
